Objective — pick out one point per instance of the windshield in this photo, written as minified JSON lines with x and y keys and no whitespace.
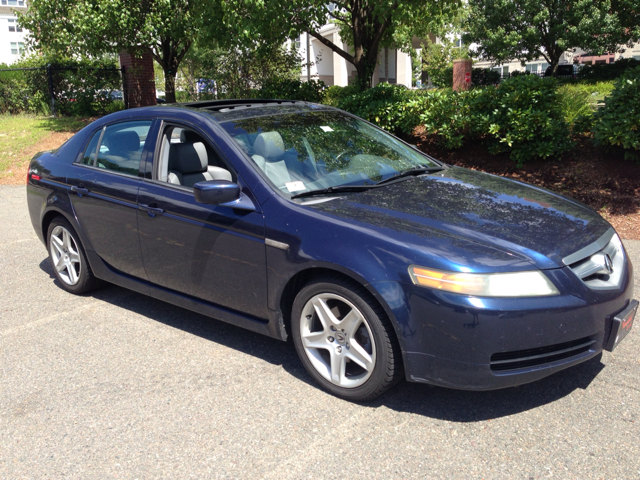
{"x":309,"y":151}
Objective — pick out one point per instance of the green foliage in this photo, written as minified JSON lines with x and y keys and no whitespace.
{"x":524,"y":116}
{"x":385,"y":105}
{"x":335,"y":93}
{"x":237,"y":72}
{"x":481,"y":77}
{"x":80,"y":87}
{"x":312,"y":91}
{"x":366,"y":26}
{"x":618,"y":122}
{"x":607,"y":71}
{"x":579,"y":101}
{"x":447,"y":115}
{"x":164,"y":28}
{"x":528,"y":29}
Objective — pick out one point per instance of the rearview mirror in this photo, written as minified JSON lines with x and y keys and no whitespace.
{"x":216,"y":192}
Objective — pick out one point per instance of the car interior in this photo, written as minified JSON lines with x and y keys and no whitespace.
{"x":279,"y":164}
{"x":121,"y":148}
{"x":186,"y":159}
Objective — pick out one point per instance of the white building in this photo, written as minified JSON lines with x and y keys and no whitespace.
{"x":393,"y":66}
{"x":12,"y":37}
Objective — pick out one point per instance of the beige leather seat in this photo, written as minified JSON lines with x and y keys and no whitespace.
{"x":269,"y":150}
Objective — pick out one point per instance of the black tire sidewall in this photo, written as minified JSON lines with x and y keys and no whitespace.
{"x":85,"y":279}
{"x":379,"y":375}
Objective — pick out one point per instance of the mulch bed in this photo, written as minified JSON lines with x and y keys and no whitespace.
{"x":599,"y":177}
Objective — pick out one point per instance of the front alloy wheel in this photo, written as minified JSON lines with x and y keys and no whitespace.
{"x":337,"y":340}
{"x":344,"y":339}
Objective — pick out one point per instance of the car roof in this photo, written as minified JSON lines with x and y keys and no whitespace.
{"x":222,"y":111}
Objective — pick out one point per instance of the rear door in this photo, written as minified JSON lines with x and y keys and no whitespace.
{"x":211,"y":252}
{"x":104,"y":192}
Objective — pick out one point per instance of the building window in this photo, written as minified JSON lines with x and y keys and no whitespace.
{"x":13,"y":25}
{"x":13,"y":3}
{"x":17,"y":48}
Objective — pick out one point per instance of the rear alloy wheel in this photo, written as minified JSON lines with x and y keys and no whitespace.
{"x":68,"y":259}
{"x":344,"y":340}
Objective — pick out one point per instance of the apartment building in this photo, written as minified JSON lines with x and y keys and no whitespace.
{"x":12,"y":37}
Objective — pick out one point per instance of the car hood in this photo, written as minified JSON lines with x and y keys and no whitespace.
{"x":525,"y":221}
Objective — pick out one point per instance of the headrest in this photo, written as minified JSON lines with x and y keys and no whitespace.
{"x":188,"y":158}
{"x":189,"y":136}
{"x":269,"y":145}
{"x":127,"y":141}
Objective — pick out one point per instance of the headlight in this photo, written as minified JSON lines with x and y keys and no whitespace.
{"x":516,"y":284}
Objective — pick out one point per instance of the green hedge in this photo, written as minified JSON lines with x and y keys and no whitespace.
{"x":607,"y":71}
{"x":618,"y":122}
{"x":523,"y":115}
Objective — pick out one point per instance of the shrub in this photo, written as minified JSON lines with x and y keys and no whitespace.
{"x":618,"y":122}
{"x":524,"y":116}
{"x":384,"y":105}
{"x":335,"y":93}
{"x":447,"y":115}
{"x":607,"y":71}
{"x":579,"y":102}
{"x":312,"y":91}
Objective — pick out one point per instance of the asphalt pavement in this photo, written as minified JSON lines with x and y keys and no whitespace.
{"x":118,"y":385}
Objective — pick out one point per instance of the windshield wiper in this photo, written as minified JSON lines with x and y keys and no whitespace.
{"x":412,"y":172}
{"x":335,"y":189}
{"x":358,"y":188}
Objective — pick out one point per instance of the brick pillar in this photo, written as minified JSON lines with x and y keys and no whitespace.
{"x":139,"y":83}
{"x":462,"y":74}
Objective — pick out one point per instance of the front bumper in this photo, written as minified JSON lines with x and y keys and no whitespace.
{"x":476,"y":343}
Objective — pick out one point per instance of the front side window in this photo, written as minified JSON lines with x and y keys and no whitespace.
{"x":307,"y":151}
{"x":186,"y":158}
{"x":120,"y":148}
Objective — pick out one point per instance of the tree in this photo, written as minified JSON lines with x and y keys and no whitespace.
{"x":235,"y":71}
{"x":528,"y":29}
{"x":164,"y":28}
{"x":365,"y":25}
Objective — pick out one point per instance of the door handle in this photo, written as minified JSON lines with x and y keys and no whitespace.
{"x":80,"y":190}
{"x":152,"y":210}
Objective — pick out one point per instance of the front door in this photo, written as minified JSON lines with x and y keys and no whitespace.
{"x":210,"y":252}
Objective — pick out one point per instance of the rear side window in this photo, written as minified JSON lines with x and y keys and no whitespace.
{"x":90,"y":153}
{"x":121,"y":147}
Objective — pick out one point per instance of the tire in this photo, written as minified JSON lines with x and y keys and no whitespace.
{"x":344,"y":339}
{"x":68,"y":260}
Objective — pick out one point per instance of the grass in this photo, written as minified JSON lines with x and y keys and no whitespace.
{"x":22,"y":136}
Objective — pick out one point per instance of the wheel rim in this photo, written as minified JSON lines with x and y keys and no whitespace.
{"x":337,"y":340}
{"x":65,"y":255}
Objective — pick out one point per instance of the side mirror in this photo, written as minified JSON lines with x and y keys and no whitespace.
{"x":216,"y":192}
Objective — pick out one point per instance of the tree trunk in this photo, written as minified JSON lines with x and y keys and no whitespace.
{"x":170,"y":85}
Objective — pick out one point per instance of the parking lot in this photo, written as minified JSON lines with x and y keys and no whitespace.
{"x":118,"y":385}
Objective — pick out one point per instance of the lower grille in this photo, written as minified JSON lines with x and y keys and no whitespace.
{"x":539,"y":356}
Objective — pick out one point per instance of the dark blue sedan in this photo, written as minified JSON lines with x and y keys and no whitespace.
{"x":299,"y":220}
